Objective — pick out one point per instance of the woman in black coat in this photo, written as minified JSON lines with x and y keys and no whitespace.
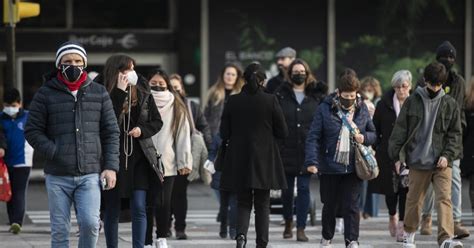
{"x":298,"y":99}
{"x":139,"y":172}
{"x":387,"y":183}
{"x":251,"y":122}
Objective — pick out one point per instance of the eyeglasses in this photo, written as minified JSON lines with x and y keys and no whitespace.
{"x":403,"y":86}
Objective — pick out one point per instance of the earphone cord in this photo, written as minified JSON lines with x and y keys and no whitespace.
{"x":128,"y":140}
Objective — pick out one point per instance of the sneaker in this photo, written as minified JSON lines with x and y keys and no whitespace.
{"x":15,"y":228}
{"x":353,"y":244}
{"x":409,"y":240}
{"x":149,"y":246}
{"x":449,"y":243}
{"x":340,"y":225}
{"x":460,"y":232}
{"x":325,"y":243}
{"x":161,"y":243}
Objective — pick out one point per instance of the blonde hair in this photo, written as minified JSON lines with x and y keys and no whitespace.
{"x":217,"y":91}
{"x":372,"y":82}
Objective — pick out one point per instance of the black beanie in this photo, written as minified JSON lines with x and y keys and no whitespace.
{"x":445,"y":49}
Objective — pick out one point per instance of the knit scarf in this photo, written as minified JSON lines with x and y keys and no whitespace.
{"x":343,"y":148}
{"x":164,"y":102}
{"x":75,"y":85}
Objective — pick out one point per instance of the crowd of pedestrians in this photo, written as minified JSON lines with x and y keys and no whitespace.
{"x":122,"y":140}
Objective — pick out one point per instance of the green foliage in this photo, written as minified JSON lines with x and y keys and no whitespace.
{"x":314,"y":56}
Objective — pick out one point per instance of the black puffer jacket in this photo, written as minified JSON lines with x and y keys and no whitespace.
{"x":298,"y":119}
{"x":77,"y":137}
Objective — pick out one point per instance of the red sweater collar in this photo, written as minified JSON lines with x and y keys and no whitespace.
{"x":76,"y":85}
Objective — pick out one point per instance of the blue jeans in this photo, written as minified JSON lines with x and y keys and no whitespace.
{"x":112,"y":214}
{"x":456,"y":194}
{"x":84,"y":192}
{"x":302,"y":200}
{"x":368,"y":203}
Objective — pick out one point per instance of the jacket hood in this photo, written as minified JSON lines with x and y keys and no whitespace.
{"x":423,"y":92}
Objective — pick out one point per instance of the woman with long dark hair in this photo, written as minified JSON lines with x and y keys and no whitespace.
{"x":173,"y":142}
{"x":252,"y":122}
{"x":138,"y":120}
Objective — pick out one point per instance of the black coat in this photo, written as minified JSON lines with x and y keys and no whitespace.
{"x":384,"y":121}
{"x":274,"y":83}
{"x":298,"y":119}
{"x":467,"y":163}
{"x":76,"y":137}
{"x":251,"y":123}
{"x":150,"y":123}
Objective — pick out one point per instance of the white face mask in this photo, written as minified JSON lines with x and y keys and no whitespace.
{"x":11,"y":111}
{"x":369,"y":95}
{"x":132,"y":78}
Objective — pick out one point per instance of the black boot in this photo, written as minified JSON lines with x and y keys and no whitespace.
{"x":241,"y":241}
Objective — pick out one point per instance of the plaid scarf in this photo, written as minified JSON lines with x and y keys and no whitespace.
{"x":343,"y":148}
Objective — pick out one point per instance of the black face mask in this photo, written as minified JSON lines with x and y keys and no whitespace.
{"x":448,"y":64}
{"x":346,"y":103}
{"x":71,"y":72}
{"x":157,"y":88}
{"x":298,"y":79}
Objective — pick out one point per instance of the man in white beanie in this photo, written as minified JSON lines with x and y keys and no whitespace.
{"x":73,"y":124}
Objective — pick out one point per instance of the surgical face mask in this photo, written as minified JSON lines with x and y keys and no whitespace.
{"x":132,"y":78}
{"x":369,"y":95}
{"x":71,"y":73}
{"x":11,"y":111}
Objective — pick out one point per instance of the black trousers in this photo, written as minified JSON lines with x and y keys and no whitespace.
{"x":340,"y":195}
{"x":19,"y":183}
{"x":260,"y":199}
{"x":399,"y":198}
{"x":179,"y":202}
{"x":159,"y":207}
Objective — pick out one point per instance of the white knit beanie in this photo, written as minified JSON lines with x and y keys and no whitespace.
{"x":68,"y":48}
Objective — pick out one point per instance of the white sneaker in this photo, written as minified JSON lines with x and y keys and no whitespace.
{"x":449,"y":243}
{"x":161,"y":243}
{"x":150,"y":246}
{"x":325,"y":243}
{"x":409,"y":240}
{"x":353,"y":244}
{"x":340,"y":225}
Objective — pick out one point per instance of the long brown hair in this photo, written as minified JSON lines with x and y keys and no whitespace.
{"x":470,"y":96}
{"x":310,"y":78}
{"x":114,"y":65}
{"x":180,"y":111}
{"x":217,"y":91}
